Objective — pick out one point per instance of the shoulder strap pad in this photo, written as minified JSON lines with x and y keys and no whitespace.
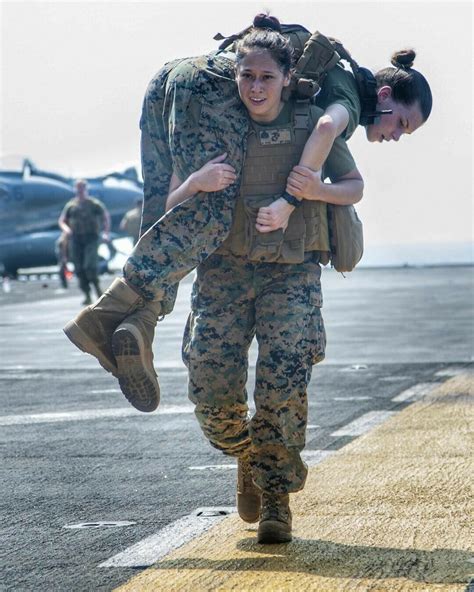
{"x":301,"y":119}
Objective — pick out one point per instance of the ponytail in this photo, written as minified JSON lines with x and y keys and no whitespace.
{"x":408,"y":85}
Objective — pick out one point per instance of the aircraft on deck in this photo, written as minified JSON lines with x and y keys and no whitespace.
{"x":31,"y":201}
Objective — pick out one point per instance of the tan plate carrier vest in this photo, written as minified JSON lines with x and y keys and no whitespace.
{"x":271,"y":154}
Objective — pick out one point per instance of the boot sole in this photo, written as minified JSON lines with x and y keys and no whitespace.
{"x":83,"y":342}
{"x":270,"y":533}
{"x":138,"y":383}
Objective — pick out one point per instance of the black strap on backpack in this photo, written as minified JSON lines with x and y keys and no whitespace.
{"x":366,"y":86}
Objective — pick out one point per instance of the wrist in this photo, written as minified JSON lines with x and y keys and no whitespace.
{"x":192,"y":185}
{"x":291,"y":199}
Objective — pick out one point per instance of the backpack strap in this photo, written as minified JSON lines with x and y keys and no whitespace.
{"x":301,"y":118}
{"x":366,"y":86}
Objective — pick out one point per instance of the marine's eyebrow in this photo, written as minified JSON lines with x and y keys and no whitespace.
{"x":264,"y":71}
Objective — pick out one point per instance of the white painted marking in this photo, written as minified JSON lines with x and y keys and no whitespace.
{"x":312,"y":426}
{"x":363,"y":424}
{"x":355,"y":368}
{"x":314,"y":457}
{"x":104,"y":391}
{"x":100,"y":524}
{"x":149,"y":550}
{"x":88,"y":414}
{"x":394,"y":378}
{"x":453,"y":371}
{"x":352,"y":398}
{"x":212,"y":467}
{"x":415,"y":392}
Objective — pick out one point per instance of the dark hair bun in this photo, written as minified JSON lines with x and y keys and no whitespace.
{"x":265,"y":21}
{"x":403,"y":58}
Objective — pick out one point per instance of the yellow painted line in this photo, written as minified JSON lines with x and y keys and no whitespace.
{"x":390,"y":512}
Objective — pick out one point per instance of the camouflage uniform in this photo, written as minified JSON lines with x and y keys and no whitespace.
{"x":234,"y":300}
{"x":191,"y":113}
{"x":273,"y":294}
{"x":85,"y":219}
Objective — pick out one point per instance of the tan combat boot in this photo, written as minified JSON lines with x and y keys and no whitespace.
{"x":275,"y":521}
{"x":91,"y":331}
{"x":132,"y":347}
{"x":248,"y":494}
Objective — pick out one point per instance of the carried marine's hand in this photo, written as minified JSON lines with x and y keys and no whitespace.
{"x":274,"y":216}
{"x":305,"y":183}
{"x":215,"y":175}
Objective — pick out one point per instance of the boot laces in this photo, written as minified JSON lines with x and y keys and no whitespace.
{"x":275,"y":508}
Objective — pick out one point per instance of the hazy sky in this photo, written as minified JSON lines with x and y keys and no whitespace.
{"x":74,"y":75}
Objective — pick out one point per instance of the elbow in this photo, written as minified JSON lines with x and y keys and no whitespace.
{"x":326,"y":126}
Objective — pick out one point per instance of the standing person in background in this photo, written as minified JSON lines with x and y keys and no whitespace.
{"x":130,"y":223}
{"x":82,"y":220}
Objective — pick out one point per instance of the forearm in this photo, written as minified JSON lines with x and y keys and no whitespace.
{"x":215,"y":175}
{"x":180,"y":193}
{"x":342,"y":193}
{"x":64,"y":226}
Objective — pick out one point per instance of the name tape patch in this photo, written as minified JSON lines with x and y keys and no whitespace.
{"x":275,"y":136}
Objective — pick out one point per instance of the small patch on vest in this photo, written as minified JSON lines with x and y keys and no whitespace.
{"x":275,"y":136}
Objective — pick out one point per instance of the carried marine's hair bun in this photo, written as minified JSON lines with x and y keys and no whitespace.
{"x":265,"y":21}
{"x":403,"y":58}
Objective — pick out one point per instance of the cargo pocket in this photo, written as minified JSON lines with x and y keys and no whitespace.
{"x":312,"y":222}
{"x":262,"y":246}
{"x":316,"y":331}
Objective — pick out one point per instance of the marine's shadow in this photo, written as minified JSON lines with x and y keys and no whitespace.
{"x":329,"y":559}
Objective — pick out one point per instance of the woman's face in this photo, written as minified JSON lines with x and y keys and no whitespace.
{"x":404,"y":119}
{"x":260,"y":83}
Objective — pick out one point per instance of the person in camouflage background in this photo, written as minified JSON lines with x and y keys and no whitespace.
{"x":131,"y":221}
{"x":82,"y":220}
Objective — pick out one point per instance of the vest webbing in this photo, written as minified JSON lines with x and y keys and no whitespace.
{"x":271,"y":154}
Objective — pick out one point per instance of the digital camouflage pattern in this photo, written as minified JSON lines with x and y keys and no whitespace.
{"x":85,"y":217}
{"x":234,"y":300}
{"x":191,"y":113}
